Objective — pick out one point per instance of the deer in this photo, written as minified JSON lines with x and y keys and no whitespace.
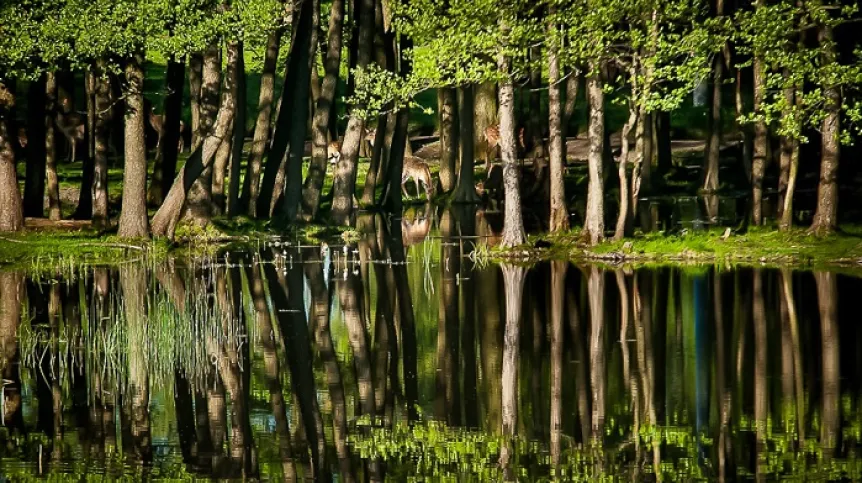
{"x":418,"y":170}
{"x":22,"y":137}
{"x":492,"y":138}
{"x":72,"y":125}
{"x":333,"y":152}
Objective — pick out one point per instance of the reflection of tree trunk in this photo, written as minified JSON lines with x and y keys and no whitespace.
{"x":760,"y":361}
{"x":582,"y":388}
{"x":133,"y":281}
{"x":558,"y":297}
{"x":597,"y":350}
{"x":11,"y":300}
{"x":827,"y":300}
{"x":793,"y":327}
{"x":723,"y":395}
{"x":513,"y":278}
{"x":406,"y":319}
{"x":448,"y":366}
{"x":489,"y":294}
{"x":466,"y":216}
{"x":320,"y":300}
{"x":294,"y":329}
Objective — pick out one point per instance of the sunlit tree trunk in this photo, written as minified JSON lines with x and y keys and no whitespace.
{"x":713,"y":120}
{"x":447,"y":112}
{"x":625,"y":218}
{"x":513,"y":224}
{"x":594,"y":225}
{"x":761,"y":140}
{"x":344,"y":183}
{"x":52,"y":181}
{"x":133,"y":214}
{"x":11,"y":209}
{"x":559,"y":218}
{"x":826,"y":216}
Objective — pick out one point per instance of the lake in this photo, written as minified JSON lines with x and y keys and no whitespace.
{"x":401,"y":356}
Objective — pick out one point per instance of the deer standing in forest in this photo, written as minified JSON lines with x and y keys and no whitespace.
{"x":492,"y":139}
{"x":418,"y":170}
{"x":72,"y":125}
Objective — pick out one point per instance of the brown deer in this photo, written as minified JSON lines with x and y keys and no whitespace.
{"x":492,"y":139}
{"x":22,"y":137}
{"x":72,"y":125}
{"x":418,"y":170}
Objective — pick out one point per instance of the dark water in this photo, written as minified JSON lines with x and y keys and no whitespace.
{"x":294,"y":362}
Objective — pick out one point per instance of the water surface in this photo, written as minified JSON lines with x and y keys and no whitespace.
{"x":398,"y":356}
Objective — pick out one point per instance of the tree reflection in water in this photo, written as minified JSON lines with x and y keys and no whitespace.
{"x":264,"y":365}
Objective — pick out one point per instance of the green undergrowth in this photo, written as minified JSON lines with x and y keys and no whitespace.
{"x":758,"y":246}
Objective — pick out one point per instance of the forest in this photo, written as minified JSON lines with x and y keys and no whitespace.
{"x":139,"y":116}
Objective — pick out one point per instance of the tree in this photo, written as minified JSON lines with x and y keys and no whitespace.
{"x":559,"y":218}
{"x":11,"y":210}
{"x":134,"y":222}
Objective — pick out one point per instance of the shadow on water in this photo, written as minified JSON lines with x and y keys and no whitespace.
{"x":400,"y":355}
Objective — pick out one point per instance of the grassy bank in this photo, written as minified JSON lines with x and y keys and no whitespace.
{"x":758,"y":246}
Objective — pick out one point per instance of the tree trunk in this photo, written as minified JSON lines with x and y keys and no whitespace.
{"x":791,"y":145}
{"x":11,"y":210}
{"x":84,"y":211}
{"x":713,"y":128}
{"x":625,"y":217}
{"x":384,"y":56}
{"x":534,"y":114}
{"x":485,"y":116}
{"x":262,"y":128}
{"x":322,"y":113}
{"x":199,"y":206}
{"x":133,"y":214}
{"x":758,"y":166}
{"x":513,"y":223}
{"x":222,"y":159}
{"x":826,"y":216}
{"x":34,"y":182}
{"x":594,"y":225}
{"x":166,"y":169}
{"x":165,"y":220}
{"x":53,"y":183}
{"x":572,"y":84}
{"x":100,"y":156}
{"x":297,"y":81}
{"x":239,"y":126}
{"x":299,"y":121}
{"x":447,"y":108}
{"x":400,"y":142}
{"x":344,"y":183}
{"x":196,"y":66}
{"x":465,"y":191}
{"x":559,"y":216}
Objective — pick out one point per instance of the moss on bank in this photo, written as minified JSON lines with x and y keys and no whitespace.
{"x":757,"y":246}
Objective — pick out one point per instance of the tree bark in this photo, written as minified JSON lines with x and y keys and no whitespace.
{"x":761,"y":141}
{"x":166,"y":169}
{"x":196,"y":65}
{"x":447,"y":108}
{"x":559,"y":216}
{"x":199,"y":206}
{"x":133,"y":214}
{"x":263,"y":125}
{"x":790,"y":149}
{"x":534,"y":114}
{"x":713,"y":127}
{"x":11,"y":210}
{"x":625,"y":217}
{"x":594,"y":226}
{"x":465,"y":191}
{"x":239,"y":123}
{"x":297,"y":81}
{"x":165,"y":220}
{"x":344,"y":183}
{"x":400,"y":141}
{"x":322,"y":113}
{"x":513,"y":224}
{"x":84,"y":211}
{"x":826,"y":216}
{"x":53,"y":183}
{"x":101,"y":136}
{"x":34,"y":183}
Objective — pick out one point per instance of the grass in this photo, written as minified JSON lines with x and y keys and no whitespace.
{"x":757,"y":246}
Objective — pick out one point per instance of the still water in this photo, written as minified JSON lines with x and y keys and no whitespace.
{"x":397,"y":356}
